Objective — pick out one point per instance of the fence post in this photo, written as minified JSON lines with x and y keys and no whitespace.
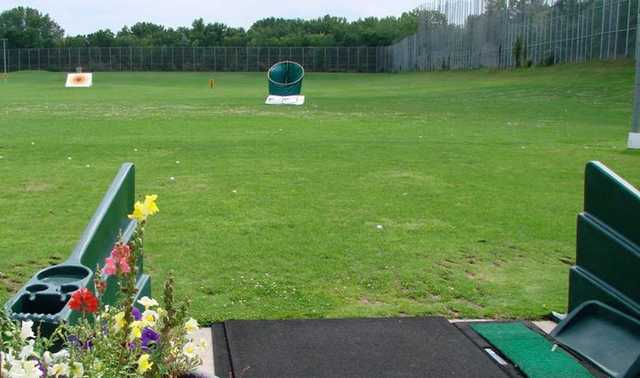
{"x":324,"y":61}
{"x":634,"y":135}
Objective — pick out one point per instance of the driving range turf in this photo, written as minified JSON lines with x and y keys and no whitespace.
{"x":451,"y":193}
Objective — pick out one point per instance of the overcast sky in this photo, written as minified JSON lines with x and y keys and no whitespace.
{"x":82,"y":17}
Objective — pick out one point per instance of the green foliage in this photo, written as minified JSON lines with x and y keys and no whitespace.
{"x":27,"y":27}
{"x":277,"y":32}
{"x":517,"y":51}
{"x":102,"y":38}
{"x":549,"y":60}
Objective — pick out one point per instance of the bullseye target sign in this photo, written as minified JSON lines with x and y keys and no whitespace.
{"x":79,"y":80}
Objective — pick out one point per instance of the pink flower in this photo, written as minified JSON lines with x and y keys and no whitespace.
{"x":121,"y":252}
{"x":110,"y":268}
{"x":118,"y":261}
{"x":124,"y":266}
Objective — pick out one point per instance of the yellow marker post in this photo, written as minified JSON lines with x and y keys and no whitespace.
{"x":212,"y":83}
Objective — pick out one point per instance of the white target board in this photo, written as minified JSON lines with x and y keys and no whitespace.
{"x":79,"y":80}
{"x":284,"y":100}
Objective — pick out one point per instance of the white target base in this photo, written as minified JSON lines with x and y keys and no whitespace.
{"x":285,"y":100}
{"x":634,"y":141}
{"x":79,"y":80}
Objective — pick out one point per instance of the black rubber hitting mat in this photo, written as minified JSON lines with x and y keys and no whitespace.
{"x":398,"y":347}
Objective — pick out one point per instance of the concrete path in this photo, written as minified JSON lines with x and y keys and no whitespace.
{"x":208,"y":368}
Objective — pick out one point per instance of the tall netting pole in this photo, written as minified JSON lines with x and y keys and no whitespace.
{"x":4,"y":59}
{"x":634,"y":135}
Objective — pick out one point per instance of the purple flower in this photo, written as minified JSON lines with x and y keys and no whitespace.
{"x":148,"y":336}
{"x":136,"y":313}
{"x":131,"y":345}
{"x":42,"y":369}
{"x":74,"y":341}
{"x":77,"y":343}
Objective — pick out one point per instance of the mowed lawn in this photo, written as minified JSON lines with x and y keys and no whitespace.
{"x":449,"y":193}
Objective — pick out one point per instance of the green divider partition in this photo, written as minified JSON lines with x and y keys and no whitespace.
{"x":44,"y":298}
{"x":608,"y":243}
{"x":604,"y":293}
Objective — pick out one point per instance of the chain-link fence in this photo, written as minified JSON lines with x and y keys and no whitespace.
{"x":467,"y":34}
{"x":324,"y":59}
{"x":452,"y":34}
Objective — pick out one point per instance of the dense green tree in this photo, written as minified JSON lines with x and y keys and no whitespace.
{"x":41,"y":31}
{"x":27,"y":27}
{"x":102,"y":38}
{"x":75,"y":41}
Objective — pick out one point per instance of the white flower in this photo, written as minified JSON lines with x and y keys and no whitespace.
{"x":59,"y":369}
{"x":26,"y":331}
{"x":25,"y":369}
{"x":77,"y":370}
{"x":189,"y":350}
{"x":147,"y":302}
{"x":27,"y":351}
{"x":149,"y":318}
{"x":63,"y":354}
{"x":16,"y":371}
{"x":191,"y":325}
{"x":47,"y":358}
{"x":32,"y":369}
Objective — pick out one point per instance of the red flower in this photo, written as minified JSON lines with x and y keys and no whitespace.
{"x":83,"y":300}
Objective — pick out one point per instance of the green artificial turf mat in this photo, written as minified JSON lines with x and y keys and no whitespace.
{"x":530,"y":351}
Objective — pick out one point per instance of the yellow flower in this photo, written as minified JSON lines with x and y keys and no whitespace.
{"x":149,"y":206}
{"x":191,"y":325}
{"x":137,"y":214}
{"x":120,"y":323}
{"x":144,"y":364}
{"x":149,"y":318}
{"x":77,"y":370}
{"x":189,"y":350}
{"x":136,"y":330}
{"x":142,"y":210}
{"x":59,"y":369}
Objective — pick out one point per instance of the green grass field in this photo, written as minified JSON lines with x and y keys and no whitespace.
{"x":474,"y":177}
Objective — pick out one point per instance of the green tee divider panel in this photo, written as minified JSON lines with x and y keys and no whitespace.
{"x":285,"y":79}
{"x":610,"y":338}
{"x":608,"y":243}
{"x":604,"y":289}
{"x":45,"y":296}
{"x":530,"y":351}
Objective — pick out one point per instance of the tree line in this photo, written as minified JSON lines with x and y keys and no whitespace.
{"x":26,"y":27}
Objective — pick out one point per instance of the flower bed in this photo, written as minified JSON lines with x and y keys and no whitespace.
{"x":128,"y":339}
